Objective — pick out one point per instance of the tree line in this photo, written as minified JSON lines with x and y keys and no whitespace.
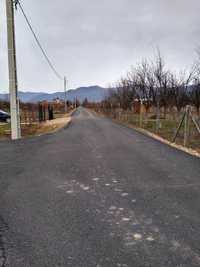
{"x":156,"y":85}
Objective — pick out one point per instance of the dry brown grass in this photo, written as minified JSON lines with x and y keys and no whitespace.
{"x":36,"y":129}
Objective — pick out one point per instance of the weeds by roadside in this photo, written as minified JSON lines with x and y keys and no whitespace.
{"x":167,"y":129}
{"x":36,"y":128}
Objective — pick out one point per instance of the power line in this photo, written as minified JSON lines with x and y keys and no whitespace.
{"x":17,"y":3}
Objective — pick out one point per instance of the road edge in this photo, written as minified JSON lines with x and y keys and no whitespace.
{"x":61,"y":128}
{"x":189,"y":151}
{"x":165,"y":141}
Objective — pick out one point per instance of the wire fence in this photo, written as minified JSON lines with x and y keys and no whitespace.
{"x":182,"y":127}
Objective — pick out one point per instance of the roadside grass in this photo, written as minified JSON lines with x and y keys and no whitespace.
{"x":27,"y":130}
{"x":4,"y":130}
{"x":167,"y":130}
{"x":36,"y":128}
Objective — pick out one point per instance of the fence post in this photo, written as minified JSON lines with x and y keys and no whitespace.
{"x":195,"y":123}
{"x":186,"y":126}
{"x":141,"y":112}
{"x":157,"y":114}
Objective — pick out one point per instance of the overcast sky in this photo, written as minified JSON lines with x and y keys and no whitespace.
{"x":96,"y":41}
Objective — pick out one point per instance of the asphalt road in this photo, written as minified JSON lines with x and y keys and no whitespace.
{"x":98,"y":194}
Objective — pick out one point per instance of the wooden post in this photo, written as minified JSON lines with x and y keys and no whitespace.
{"x":141,"y":112}
{"x":157,"y":114}
{"x":186,"y":126}
{"x":195,"y":123}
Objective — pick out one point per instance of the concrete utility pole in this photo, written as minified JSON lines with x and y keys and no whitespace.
{"x":13,"y":85}
{"x":65,"y":90}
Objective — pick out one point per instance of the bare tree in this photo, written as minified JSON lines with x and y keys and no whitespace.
{"x":160,"y":74}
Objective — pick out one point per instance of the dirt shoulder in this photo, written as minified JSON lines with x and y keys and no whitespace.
{"x":165,"y":141}
{"x":193,"y":152}
{"x":46,"y":127}
{"x":37,"y":129}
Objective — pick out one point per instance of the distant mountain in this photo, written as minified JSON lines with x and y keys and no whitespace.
{"x":92,"y":93}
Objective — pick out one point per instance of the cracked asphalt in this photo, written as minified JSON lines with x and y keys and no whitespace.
{"x":98,"y":194}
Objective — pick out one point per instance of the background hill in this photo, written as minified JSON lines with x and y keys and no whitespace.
{"x":92,"y":93}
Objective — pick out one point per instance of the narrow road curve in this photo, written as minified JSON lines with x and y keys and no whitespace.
{"x":98,"y":194}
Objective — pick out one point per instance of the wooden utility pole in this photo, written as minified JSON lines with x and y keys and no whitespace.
{"x":13,"y":85}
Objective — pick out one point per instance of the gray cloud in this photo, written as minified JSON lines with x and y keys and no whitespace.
{"x":95,"y":42}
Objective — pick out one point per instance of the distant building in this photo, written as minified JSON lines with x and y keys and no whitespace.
{"x":57,"y":100}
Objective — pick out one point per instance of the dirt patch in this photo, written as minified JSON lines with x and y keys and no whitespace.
{"x":36,"y":128}
{"x":46,"y":127}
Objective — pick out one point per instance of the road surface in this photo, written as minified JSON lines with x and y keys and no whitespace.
{"x":98,"y":194}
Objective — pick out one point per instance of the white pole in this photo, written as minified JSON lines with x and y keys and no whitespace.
{"x":65,"y":91}
{"x":13,"y":86}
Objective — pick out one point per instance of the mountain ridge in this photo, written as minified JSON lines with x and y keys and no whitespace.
{"x":92,"y":93}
